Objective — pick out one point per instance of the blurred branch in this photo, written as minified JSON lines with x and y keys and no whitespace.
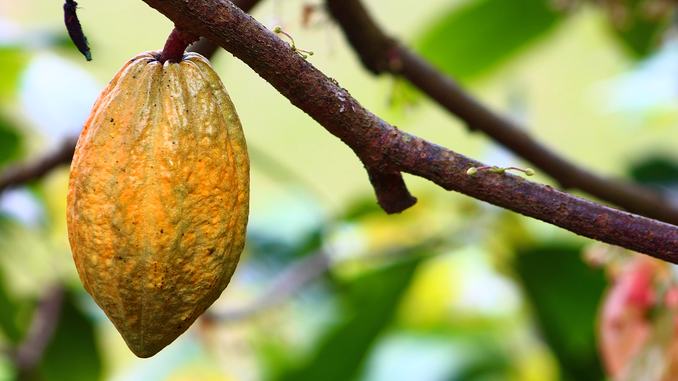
{"x":294,"y":278}
{"x":23,"y":173}
{"x":382,"y":147}
{"x":45,"y":320}
{"x":380,"y":53}
{"x":313,"y":266}
{"x":280,"y":172}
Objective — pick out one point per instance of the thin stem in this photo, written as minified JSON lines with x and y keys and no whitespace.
{"x":176,"y":45}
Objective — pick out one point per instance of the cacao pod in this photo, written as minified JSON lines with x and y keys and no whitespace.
{"x":158,"y":198}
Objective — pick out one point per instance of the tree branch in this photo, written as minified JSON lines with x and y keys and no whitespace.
{"x":382,"y":146}
{"x":380,"y":53}
{"x":24,"y":173}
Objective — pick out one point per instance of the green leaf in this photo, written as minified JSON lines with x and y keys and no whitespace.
{"x":638,"y":31}
{"x":656,"y":170}
{"x":72,"y":354}
{"x":371,"y":301}
{"x":360,"y":208}
{"x":13,"y":318}
{"x":272,"y":250}
{"x":473,"y":38}
{"x":488,"y":362}
{"x":12,"y":62}
{"x":10,"y":141}
{"x":565,"y":294}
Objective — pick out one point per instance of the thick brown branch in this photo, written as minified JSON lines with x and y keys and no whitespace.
{"x":381,"y":53}
{"x":382,"y":146}
{"x":204,"y":47}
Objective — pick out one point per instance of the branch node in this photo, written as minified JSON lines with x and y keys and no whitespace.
{"x":391,"y":191}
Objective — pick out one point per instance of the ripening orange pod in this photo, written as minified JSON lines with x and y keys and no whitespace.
{"x":159,"y":197}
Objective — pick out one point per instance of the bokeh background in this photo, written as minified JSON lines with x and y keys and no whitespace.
{"x":329,"y":287}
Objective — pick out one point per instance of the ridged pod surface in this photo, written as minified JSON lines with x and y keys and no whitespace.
{"x":158,"y":198}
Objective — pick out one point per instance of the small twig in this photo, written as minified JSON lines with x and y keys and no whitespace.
{"x":303,"y":53}
{"x":499,"y":170}
{"x":45,"y":320}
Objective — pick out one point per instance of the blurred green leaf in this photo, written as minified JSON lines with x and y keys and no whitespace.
{"x":10,"y":141}
{"x":61,"y":40}
{"x":403,"y":96}
{"x":656,"y":170}
{"x":489,"y":361}
{"x":565,"y":294}
{"x":72,"y":354}
{"x":360,"y":208}
{"x":275,"y":251}
{"x":638,"y":31}
{"x":12,"y":314}
{"x":370,"y":301}
{"x":473,"y":38}
{"x":12,"y":62}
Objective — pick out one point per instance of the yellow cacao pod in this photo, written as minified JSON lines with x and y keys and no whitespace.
{"x":158,"y":198}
